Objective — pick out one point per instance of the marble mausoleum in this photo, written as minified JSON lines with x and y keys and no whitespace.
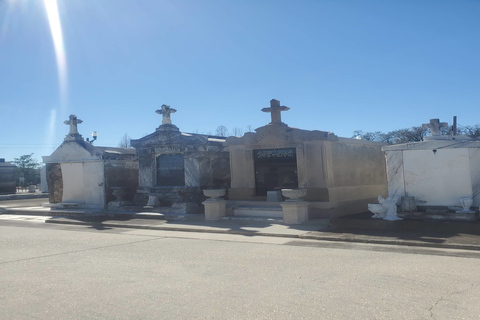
{"x":175,"y":166}
{"x":340,"y":175}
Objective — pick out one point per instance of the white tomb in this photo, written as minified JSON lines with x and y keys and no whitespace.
{"x":82,"y":175}
{"x":438,"y":172}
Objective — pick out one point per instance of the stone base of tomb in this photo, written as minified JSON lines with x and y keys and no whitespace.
{"x":115,"y":205}
{"x":440,"y":215}
{"x":72,"y":205}
{"x":175,"y":208}
{"x":324,"y":203}
{"x":168,"y":196}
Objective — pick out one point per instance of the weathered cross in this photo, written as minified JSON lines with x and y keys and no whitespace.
{"x":275,"y":110}
{"x":435,"y":125}
{"x":165,"y":112}
{"x":73,"y":121}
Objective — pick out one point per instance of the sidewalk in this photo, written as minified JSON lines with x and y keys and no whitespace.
{"x":319,"y":229}
{"x":18,"y":196}
{"x":456,"y":236}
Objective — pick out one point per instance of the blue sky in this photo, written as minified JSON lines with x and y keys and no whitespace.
{"x":339,"y":65}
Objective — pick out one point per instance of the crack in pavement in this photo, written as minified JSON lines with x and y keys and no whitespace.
{"x":446,"y":297}
{"x":76,"y":251}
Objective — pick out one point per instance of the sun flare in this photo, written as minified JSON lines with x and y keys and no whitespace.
{"x":56,"y":30}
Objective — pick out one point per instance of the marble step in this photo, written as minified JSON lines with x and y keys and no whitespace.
{"x":269,"y":212}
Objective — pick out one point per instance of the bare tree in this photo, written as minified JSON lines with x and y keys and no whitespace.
{"x":472,"y":131}
{"x":125,"y":142}
{"x":221,"y":131}
{"x":413,"y":134}
{"x":249,"y":128}
{"x":237,"y":132}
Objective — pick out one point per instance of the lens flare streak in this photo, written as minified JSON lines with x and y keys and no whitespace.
{"x":57,"y":36}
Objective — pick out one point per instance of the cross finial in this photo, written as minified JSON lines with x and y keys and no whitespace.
{"x":435,"y":125}
{"x":275,"y":110}
{"x":165,"y":111}
{"x":72,"y":122}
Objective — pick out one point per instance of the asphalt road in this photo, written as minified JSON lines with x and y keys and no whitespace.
{"x":75,"y":272}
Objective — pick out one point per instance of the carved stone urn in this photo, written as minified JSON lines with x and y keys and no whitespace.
{"x":119,"y":192}
{"x":214,"y":194}
{"x":294,"y":194}
{"x":466,"y":203}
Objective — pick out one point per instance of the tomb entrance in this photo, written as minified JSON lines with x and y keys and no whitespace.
{"x":275,"y":169}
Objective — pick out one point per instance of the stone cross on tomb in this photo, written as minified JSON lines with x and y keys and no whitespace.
{"x":165,"y":111}
{"x":275,"y":110}
{"x":72,"y":122}
{"x":435,"y":125}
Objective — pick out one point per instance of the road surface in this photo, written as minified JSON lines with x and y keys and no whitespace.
{"x":74,"y":272}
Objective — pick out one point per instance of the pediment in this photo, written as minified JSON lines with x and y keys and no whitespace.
{"x":278,"y":135}
{"x":162,"y":138}
{"x":74,"y":151}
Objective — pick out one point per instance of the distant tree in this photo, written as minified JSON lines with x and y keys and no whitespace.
{"x":221,"y":131}
{"x":472,"y":131}
{"x":27,"y":168}
{"x":413,"y":134}
{"x":125,"y":142}
{"x":249,"y":128}
{"x":370,"y":136}
{"x":237,"y":132}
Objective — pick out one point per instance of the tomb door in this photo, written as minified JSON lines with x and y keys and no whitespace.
{"x":171,"y":170}
{"x":275,"y":169}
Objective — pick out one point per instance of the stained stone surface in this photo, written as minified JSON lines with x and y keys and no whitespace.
{"x":176,"y":166}
{"x":437,"y":172}
{"x":341,"y":175}
{"x":80,"y":173}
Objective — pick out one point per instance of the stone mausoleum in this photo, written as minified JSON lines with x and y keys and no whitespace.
{"x":82,"y":175}
{"x":440,"y":173}
{"x":175,"y":166}
{"x":340,"y":175}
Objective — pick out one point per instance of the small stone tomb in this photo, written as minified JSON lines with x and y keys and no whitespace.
{"x":441,"y":173}
{"x":175,"y":166}
{"x":82,"y":175}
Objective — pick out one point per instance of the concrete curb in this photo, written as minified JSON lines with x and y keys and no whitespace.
{"x":340,"y":238}
{"x":164,"y":228}
{"x":408,"y":243}
{"x":23,"y":196}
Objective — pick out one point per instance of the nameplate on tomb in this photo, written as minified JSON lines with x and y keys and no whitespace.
{"x":170,"y":170}
{"x":274,"y":153}
{"x":168,"y":149}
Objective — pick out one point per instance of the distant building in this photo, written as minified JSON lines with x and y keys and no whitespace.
{"x":7,"y":177}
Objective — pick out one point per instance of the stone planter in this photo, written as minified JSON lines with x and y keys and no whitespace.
{"x":214,"y":194}
{"x":215,"y":207}
{"x":294,"y":194}
{"x":466,"y":203}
